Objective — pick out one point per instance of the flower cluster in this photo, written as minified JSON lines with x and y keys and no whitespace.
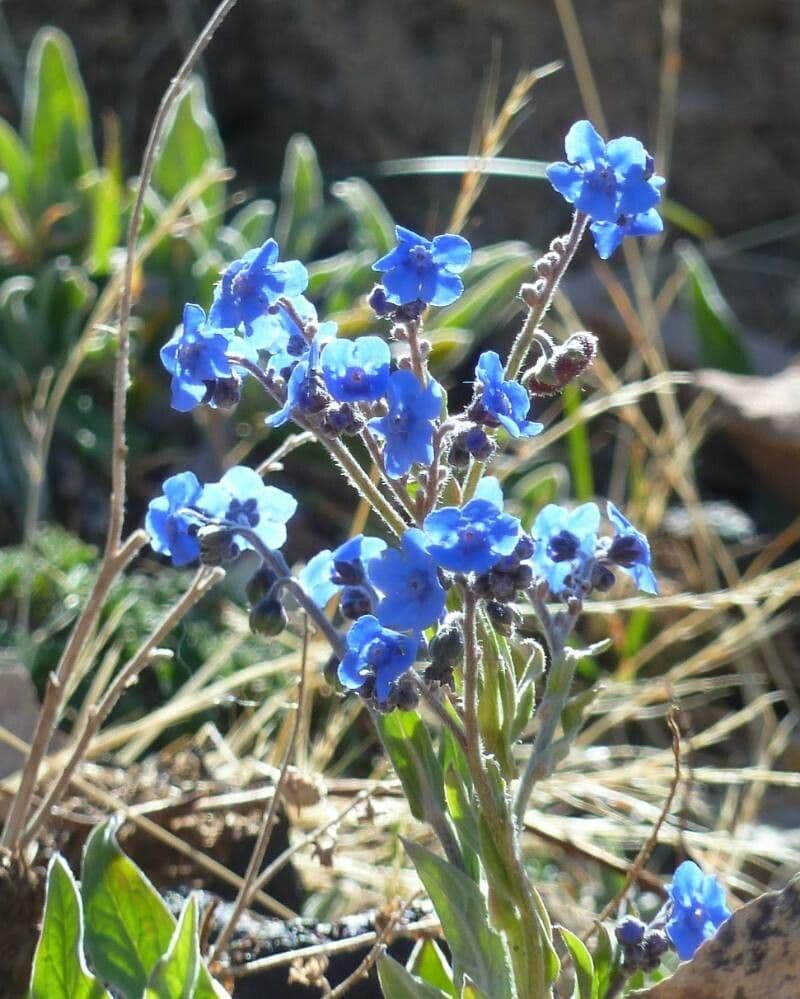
{"x":612,"y":182}
{"x":379,"y":388}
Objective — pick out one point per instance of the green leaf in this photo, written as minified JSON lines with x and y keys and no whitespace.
{"x":128,"y":926}
{"x":605,"y":958}
{"x":481,"y":307}
{"x":397,"y":983}
{"x":462,"y":812}
{"x":720,"y":340}
{"x":175,"y":974}
{"x":478,"y":950}
{"x":580,"y":455}
{"x":429,"y":963}
{"x":409,"y":747}
{"x":301,"y":204}
{"x":373,"y":225}
{"x":449,"y":347}
{"x":538,"y":488}
{"x":59,"y":969}
{"x":470,"y":990}
{"x":56,"y":123}
{"x":192,"y":146}
{"x":15,"y":163}
{"x":585,"y":987}
{"x":254,"y":222}
{"x":106,"y":196}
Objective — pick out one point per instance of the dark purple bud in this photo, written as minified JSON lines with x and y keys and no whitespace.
{"x":313,"y":396}
{"x":533,"y":294}
{"x":602,"y":578}
{"x":268,"y":618}
{"x":355,"y":602}
{"x":217,"y":545}
{"x":478,"y":444}
{"x":224,"y":393}
{"x":410,"y":312}
{"x":573,"y":357}
{"x":503,"y":617}
{"x":379,"y":303}
{"x":259,"y":584}
{"x":503,"y":586}
{"x":524,"y":549}
{"x":630,"y":931}
{"x":297,"y":345}
{"x":523,"y":577}
{"x":447,"y":648}
{"x":348,"y":573}
{"x":404,"y":694}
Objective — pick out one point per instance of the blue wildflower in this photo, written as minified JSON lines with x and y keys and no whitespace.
{"x":329,"y":570}
{"x":376,"y":653}
{"x":195,"y":356}
{"x":251,"y":286}
{"x":609,"y":235}
{"x":475,"y":537}
{"x":241,"y":497}
{"x":171,"y":529}
{"x":565,"y":543}
{"x":305,"y":390}
{"x":286,"y":343}
{"x":413,"y":596}
{"x":605,"y":180}
{"x":698,"y":908}
{"x":356,"y":370}
{"x":408,"y":427}
{"x":506,"y":402}
{"x":419,"y":269}
{"x":630,"y":550}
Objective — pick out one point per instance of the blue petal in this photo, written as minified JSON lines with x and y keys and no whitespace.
{"x":315,"y":578}
{"x":440,"y":287}
{"x":567,"y":180}
{"x":410,"y":237}
{"x":186,"y":395}
{"x":607,"y":237}
{"x":625,"y":154}
{"x":489,"y":489}
{"x":453,"y":252}
{"x":402,"y":284}
{"x":193,"y":318}
{"x":584,"y":145}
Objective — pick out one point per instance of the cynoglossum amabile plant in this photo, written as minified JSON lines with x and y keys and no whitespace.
{"x":432,"y":611}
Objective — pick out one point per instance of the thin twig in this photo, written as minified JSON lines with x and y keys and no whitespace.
{"x":262,"y":842}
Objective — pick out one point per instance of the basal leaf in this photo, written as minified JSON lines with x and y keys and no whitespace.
{"x":373,"y":227}
{"x":397,"y":983}
{"x":56,"y":123}
{"x":192,"y":146}
{"x":301,"y":204}
{"x":15,"y":163}
{"x":59,"y":969}
{"x":585,"y":987}
{"x":128,"y":926}
{"x":176,"y":973}
{"x":429,"y":963}
{"x":409,"y":747}
{"x":478,"y":950}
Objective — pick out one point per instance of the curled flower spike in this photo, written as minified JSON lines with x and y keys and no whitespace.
{"x":356,"y":370}
{"x":172,"y":531}
{"x":413,"y":596}
{"x":473,"y":538}
{"x":419,"y":269}
{"x":240,"y":497}
{"x":505,"y":402}
{"x":195,"y":357}
{"x":630,"y":550}
{"x":698,"y":908}
{"x":605,"y":179}
{"x":409,"y":425}
{"x":252,"y":285}
{"x":376,"y":654}
{"x":565,"y":543}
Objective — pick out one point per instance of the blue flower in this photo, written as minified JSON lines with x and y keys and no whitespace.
{"x":172,"y":531}
{"x":194,"y":356}
{"x":698,"y":908}
{"x":356,"y":370}
{"x":413,"y":596}
{"x":376,"y":653}
{"x":419,"y":269}
{"x":329,"y":570}
{"x":240,"y":497}
{"x":305,"y":390}
{"x":506,"y":402}
{"x":475,"y":537}
{"x":409,"y":425}
{"x":565,"y":543}
{"x":251,"y":286}
{"x":609,"y":235}
{"x":629,"y":550}
{"x":605,"y":180}
{"x":280,"y":335}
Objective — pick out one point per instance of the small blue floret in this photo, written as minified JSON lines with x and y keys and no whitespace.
{"x":194,"y":357}
{"x":356,"y":370}
{"x":420,"y":269}
{"x":378,"y":653}
{"x":241,"y":497}
{"x":408,"y":427}
{"x":565,"y":543}
{"x":507,"y":402}
{"x":413,"y":597}
{"x":698,"y":908}
{"x":629,"y":549}
{"x":170,"y":527}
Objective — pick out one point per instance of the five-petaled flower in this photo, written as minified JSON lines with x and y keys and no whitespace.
{"x":408,"y":427}
{"x":251,"y":286}
{"x":609,"y":235}
{"x":196,"y":358}
{"x":356,"y":370}
{"x":413,"y":597}
{"x":241,"y":498}
{"x":328,"y":571}
{"x":605,"y":180}
{"x":630,"y":550}
{"x":169,"y":523}
{"x":375,"y":653}
{"x":420,"y":269}
{"x":473,"y":538}
{"x":565,"y":543}
{"x":697,"y":908}
{"x":505,"y":402}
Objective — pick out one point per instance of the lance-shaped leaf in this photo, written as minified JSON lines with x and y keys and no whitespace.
{"x":585,"y":980}
{"x":301,"y":204}
{"x":59,"y":969}
{"x":478,"y":950}
{"x":429,"y":963}
{"x":397,"y":983}
{"x":373,"y":227}
{"x":176,"y":973}
{"x":409,"y":747}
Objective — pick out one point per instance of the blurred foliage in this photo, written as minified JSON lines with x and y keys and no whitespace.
{"x":64,"y":211}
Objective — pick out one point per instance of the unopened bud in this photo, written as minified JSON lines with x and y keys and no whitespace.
{"x":259,"y":584}
{"x":379,"y":303}
{"x":533,"y":294}
{"x":268,"y":618}
{"x":217,"y":545}
{"x":447,"y":646}
{"x":224,"y":393}
{"x":503,"y":617}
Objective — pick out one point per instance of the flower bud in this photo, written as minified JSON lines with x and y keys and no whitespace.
{"x":447,"y":646}
{"x":404,"y":694}
{"x":355,"y":602}
{"x":223,"y":393}
{"x":378,"y":302}
{"x":268,"y":618}
{"x":533,"y":294}
{"x":504,"y":618}
{"x":259,"y":584}
{"x":217,"y":544}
